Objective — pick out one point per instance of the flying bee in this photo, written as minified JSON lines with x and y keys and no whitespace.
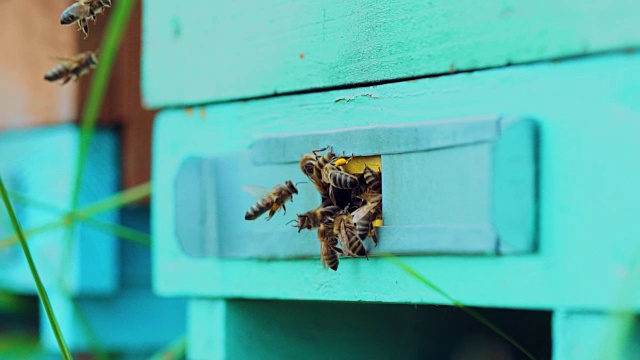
{"x":345,"y":229}
{"x":364,"y":218}
{"x":82,"y":11}
{"x":328,"y":247}
{"x":314,"y":218}
{"x":72,"y":68}
{"x":273,"y":201}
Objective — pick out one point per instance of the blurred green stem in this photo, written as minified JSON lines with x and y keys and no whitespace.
{"x":118,"y":200}
{"x":42,"y":293}
{"x":474,"y":314}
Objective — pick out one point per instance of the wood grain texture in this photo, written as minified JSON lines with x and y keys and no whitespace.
{"x":590,"y":120}
{"x":202,"y":51}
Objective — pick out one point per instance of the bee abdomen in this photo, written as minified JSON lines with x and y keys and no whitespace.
{"x":356,"y":246}
{"x":330,"y":256}
{"x":343,"y":180}
{"x":257,"y":209}
{"x":56,"y":73}
{"x":363,"y":227}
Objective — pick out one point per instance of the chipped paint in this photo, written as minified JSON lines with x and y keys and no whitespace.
{"x":354,"y":97}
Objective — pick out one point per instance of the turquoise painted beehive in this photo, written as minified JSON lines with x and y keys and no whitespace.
{"x":507,"y":133}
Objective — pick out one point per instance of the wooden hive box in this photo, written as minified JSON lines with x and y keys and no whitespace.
{"x":507,"y":133}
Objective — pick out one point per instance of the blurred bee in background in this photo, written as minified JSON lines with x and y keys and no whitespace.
{"x":345,"y":229}
{"x":328,"y":247}
{"x":314,"y":218}
{"x":72,"y":68}
{"x":272,"y":201}
{"x":82,"y":11}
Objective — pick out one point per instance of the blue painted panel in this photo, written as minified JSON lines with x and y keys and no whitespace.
{"x":436,"y":193}
{"x":40,"y":163}
{"x":589,"y":118}
{"x":133,"y":320}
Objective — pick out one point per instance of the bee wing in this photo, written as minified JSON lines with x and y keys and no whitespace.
{"x":256,"y":191}
{"x":59,"y":59}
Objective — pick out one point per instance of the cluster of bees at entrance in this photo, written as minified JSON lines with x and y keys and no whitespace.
{"x":80,"y":12}
{"x":350,"y":209}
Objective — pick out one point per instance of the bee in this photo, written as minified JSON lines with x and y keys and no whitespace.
{"x":273,"y":201}
{"x":73,"y":68}
{"x":373,"y":179}
{"x":328,"y":247}
{"x":82,"y":11}
{"x":345,"y":229}
{"x":337,"y":179}
{"x":364,"y":218}
{"x":314,"y":218}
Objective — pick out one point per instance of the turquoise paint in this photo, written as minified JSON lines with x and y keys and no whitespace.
{"x":204,"y":51}
{"x":241,"y":329}
{"x":39,"y":163}
{"x":132,"y":321}
{"x":453,"y":214}
{"x":590,"y":122}
{"x":586,"y":335}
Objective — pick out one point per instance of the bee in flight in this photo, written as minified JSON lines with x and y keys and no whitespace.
{"x":82,"y":11}
{"x":272,"y":201}
{"x":72,"y":68}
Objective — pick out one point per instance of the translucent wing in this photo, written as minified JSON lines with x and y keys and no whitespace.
{"x":256,"y":191}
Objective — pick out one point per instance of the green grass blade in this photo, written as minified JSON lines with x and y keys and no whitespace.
{"x":116,"y":201}
{"x":474,"y":314}
{"x":116,"y":27}
{"x":42,"y":293}
{"x":120,"y":231}
{"x":14,"y":239}
{"x":175,"y":350}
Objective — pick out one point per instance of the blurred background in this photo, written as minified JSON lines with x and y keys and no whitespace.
{"x":95,"y":277}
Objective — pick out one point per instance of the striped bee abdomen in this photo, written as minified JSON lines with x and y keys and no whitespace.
{"x":263,"y":205}
{"x":56,"y":73}
{"x":343,"y":180}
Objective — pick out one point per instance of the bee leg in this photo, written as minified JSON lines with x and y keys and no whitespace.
{"x":284,"y":209}
{"x":66,"y":80}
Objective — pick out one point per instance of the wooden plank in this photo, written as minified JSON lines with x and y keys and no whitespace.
{"x":589,"y":116}
{"x":247,"y":329}
{"x":122,"y":104}
{"x":442,"y":190}
{"x":589,"y":335}
{"x":26,"y":99}
{"x":212,"y":51}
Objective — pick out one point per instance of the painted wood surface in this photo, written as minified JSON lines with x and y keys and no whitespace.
{"x":467,"y":164}
{"x":590,"y":335}
{"x":201,"y":51}
{"x":40,"y":164}
{"x":590,"y":122}
{"x":241,"y":329}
